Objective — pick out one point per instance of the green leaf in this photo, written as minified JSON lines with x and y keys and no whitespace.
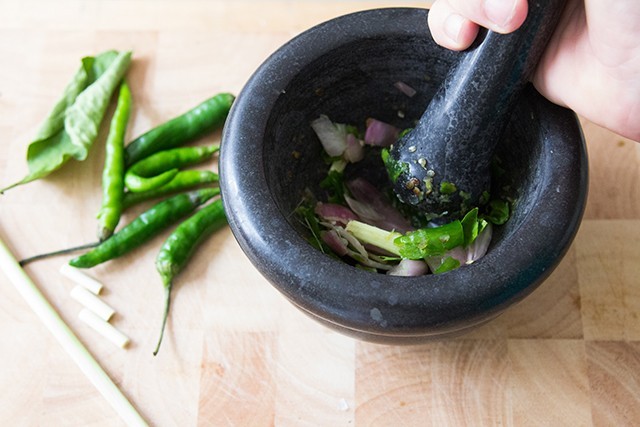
{"x":53,"y":146}
{"x":54,"y":122}
{"x":48,"y":155}
{"x":46,"y":152}
{"x":83,"y":118}
{"x":428,"y":242}
{"x":99,"y":64}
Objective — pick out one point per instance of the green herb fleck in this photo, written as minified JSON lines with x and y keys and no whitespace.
{"x":353,"y":130}
{"x":404,"y":132}
{"x":498,"y":212}
{"x":394,"y":168}
{"x":447,"y":187}
{"x":484,"y":197}
{"x":428,"y":185}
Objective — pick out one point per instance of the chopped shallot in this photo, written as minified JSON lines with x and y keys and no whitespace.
{"x":335,"y":242}
{"x":354,"y":151}
{"x":409,"y":268}
{"x":372,"y":207}
{"x":458,"y":253}
{"x":333,"y":137}
{"x":344,"y":243}
{"x":334,"y":213}
{"x":365,"y":211}
{"x":405,"y":88}
{"x":478,"y":248}
{"x":353,"y":242}
{"x":380,"y":134}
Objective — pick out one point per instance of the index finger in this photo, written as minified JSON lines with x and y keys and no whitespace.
{"x":501,"y":16}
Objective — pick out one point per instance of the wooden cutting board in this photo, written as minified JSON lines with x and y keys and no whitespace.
{"x":235,"y":352}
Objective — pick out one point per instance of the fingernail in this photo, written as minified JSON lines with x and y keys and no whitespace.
{"x":453,"y":25}
{"x":500,"y":12}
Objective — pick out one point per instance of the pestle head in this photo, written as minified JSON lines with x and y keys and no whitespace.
{"x":442,"y":169}
{"x":442,"y":166}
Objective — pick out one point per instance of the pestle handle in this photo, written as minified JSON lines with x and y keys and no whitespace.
{"x":455,"y":138}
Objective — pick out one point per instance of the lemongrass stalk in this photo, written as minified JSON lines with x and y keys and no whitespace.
{"x":78,"y":277}
{"x":67,"y":339}
{"x":92,"y":302}
{"x":375,"y":236}
{"x":104,"y":328}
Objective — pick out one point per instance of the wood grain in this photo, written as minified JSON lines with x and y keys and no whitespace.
{"x":614,"y":391}
{"x":543,"y":371}
{"x":235,"y":352}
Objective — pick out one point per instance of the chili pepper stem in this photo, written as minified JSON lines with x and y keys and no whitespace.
{"x":104,"y":233}
{"x":10,"y":187}
{"x":38,"y":257}
{"x":167,"y":302}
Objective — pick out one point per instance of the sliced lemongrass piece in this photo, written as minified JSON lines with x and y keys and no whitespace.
{"x":67,"y":339}
{"x":93,"y":303}
{"x":81,"y":279}
{"x":375,"y":236}
{"x":105,"y":329}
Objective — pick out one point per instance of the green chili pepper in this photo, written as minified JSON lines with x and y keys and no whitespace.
{"x":427,"y":242}
{"x":184,"y":180}
{"x":113,"y":173}
{"x":181,"y":244}
{"x":191,"y":125}
{"x":147,"y":225}
{"x":160,"y":168}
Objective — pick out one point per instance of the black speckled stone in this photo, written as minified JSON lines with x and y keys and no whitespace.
{"x":346,"y":68}
{"x":455,"y":139}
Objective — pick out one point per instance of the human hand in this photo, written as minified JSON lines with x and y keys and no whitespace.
{"x":591,"y":65}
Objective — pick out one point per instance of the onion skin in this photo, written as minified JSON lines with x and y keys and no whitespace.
{"x":334,"y":213}
{"x":354,"y":151}
{"x":409,"y":268}
{"x":380,"y":134}
{"x":478,"y":248}
{"x":337,"y":245}
{"x":405,"y":88}
{"x":373,"y":207}
{"x":332,"y":137}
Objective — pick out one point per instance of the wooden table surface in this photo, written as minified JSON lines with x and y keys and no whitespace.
{"x":235,"y":352}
